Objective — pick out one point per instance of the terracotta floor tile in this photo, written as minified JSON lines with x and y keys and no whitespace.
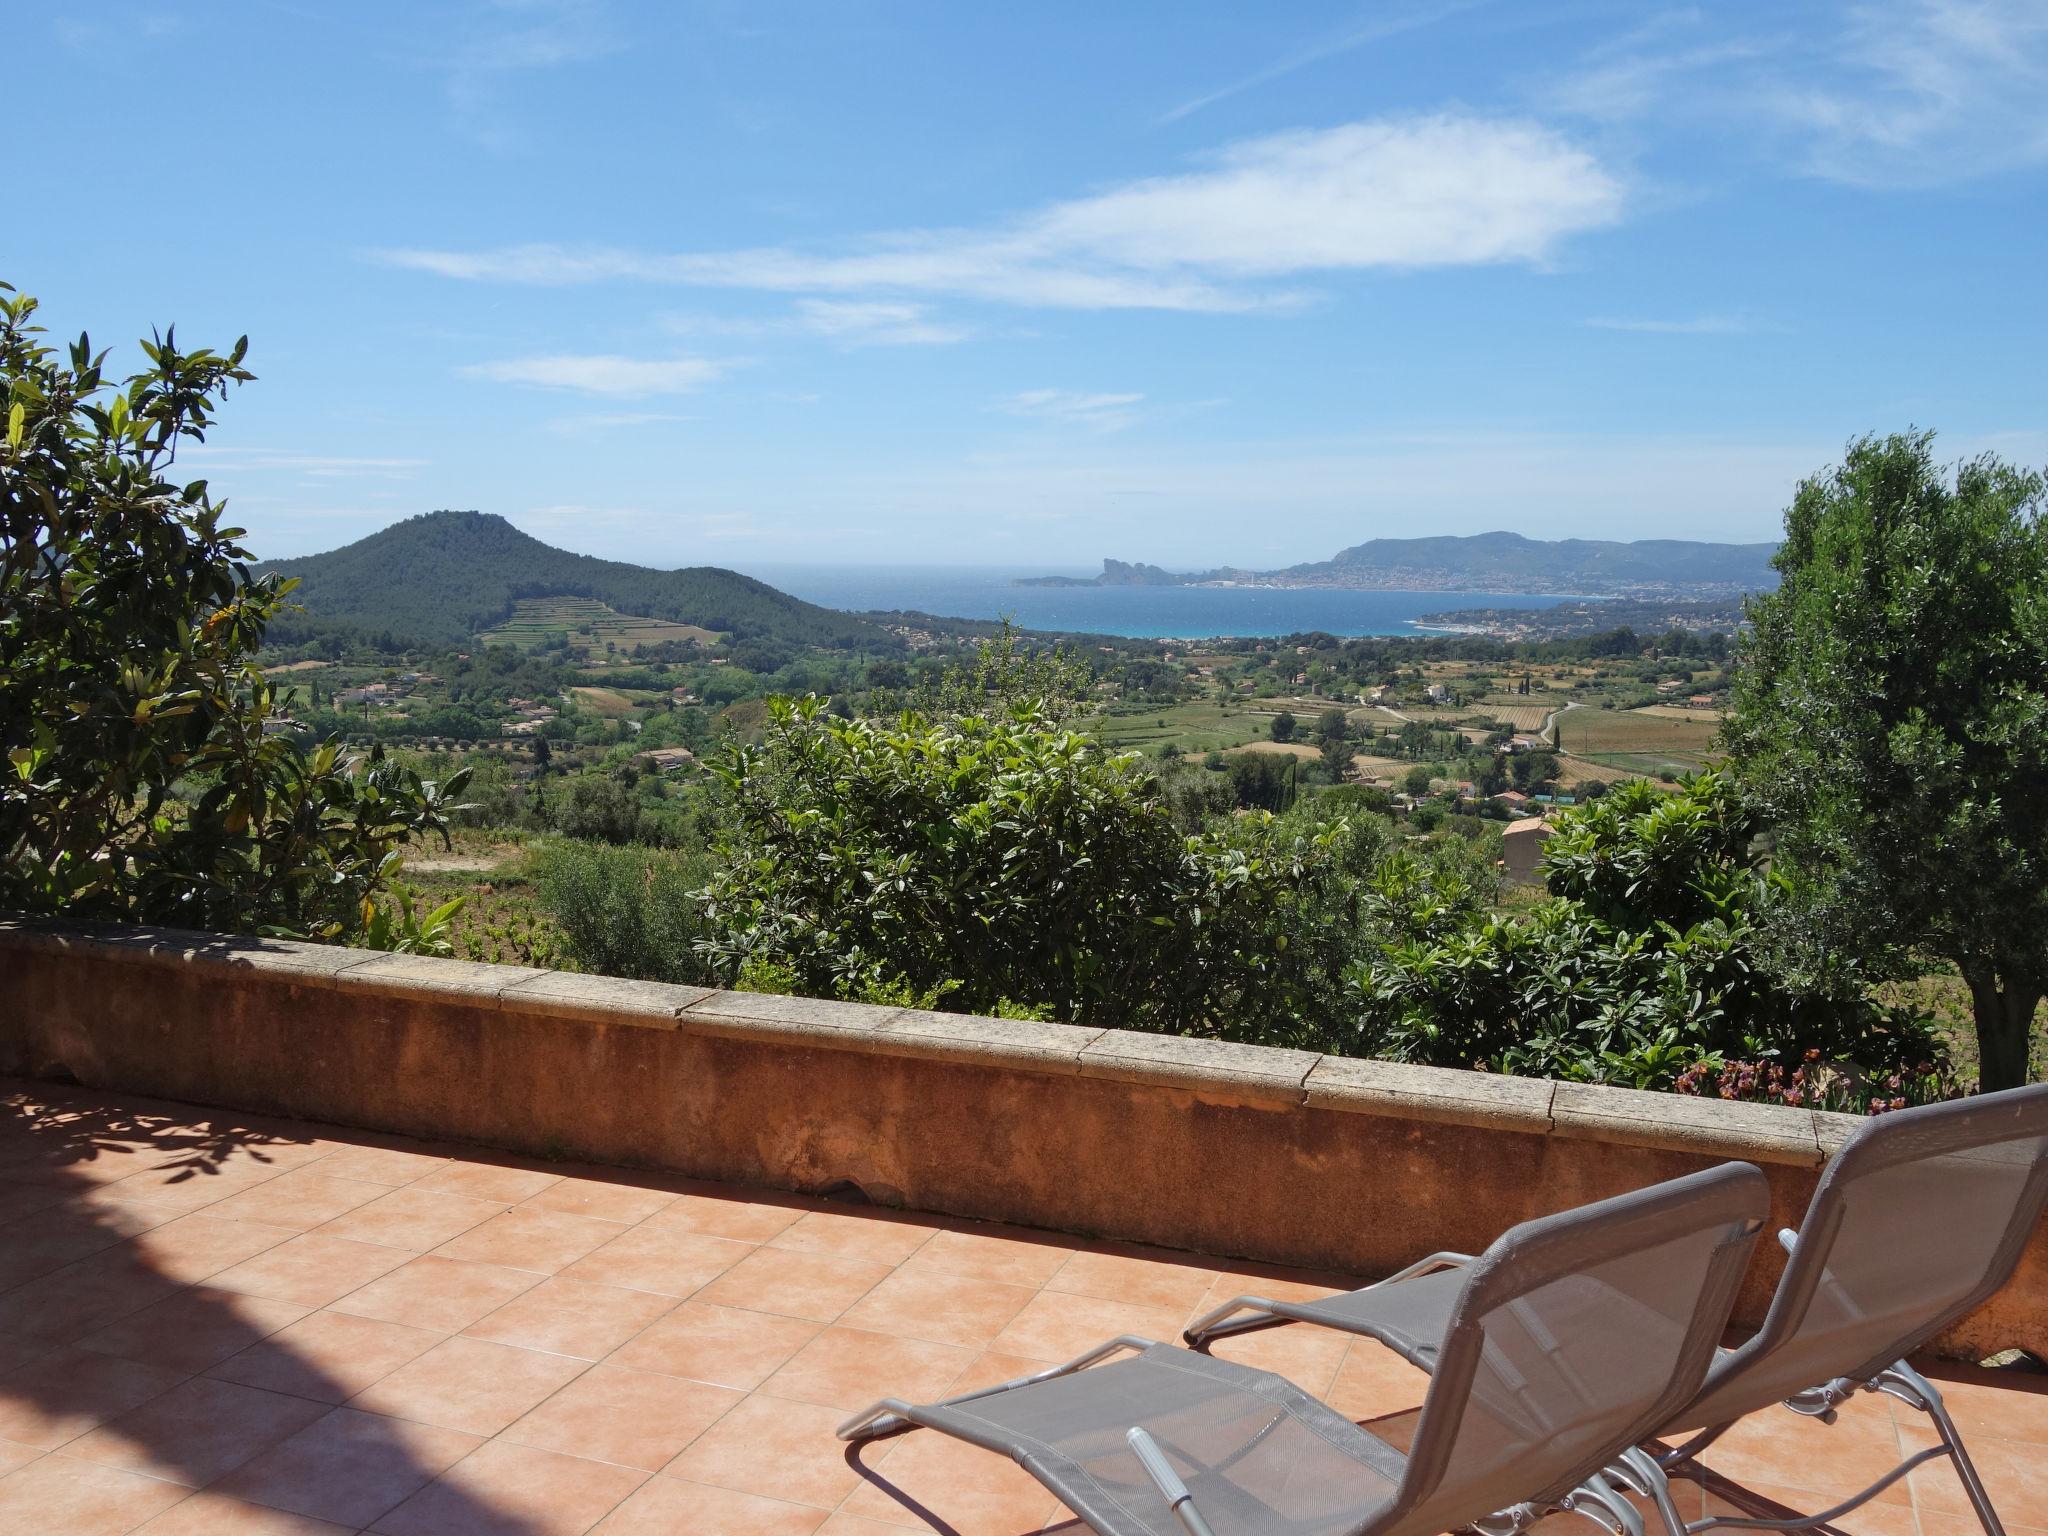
{"x":389,"y":1166}
{"x":414,"y":1219}
{"x":62,"y":1396}
{"x":435,"y":1292}
{"x":1373,"y":1382}
{"x":634,"y":1418}
{"x":197,"y":1432}
{"x":187,"y":1188}
{"x":572,"y":1317}
{"x":213,"y":1514}
{"x":879,"y":1237}
{"x":664,"y":1259}
{"x":193,"y":1329}
{"x":19,"y":1200}
{"x":301,"y":1200}
{"x":349,"y":1467}
{"x":1056,"y":1325}
{"x":311,"y":1270}
{"x":54,"y":1237}
{"x":848,"y":1368}
{"x":973,"y":1491}
{"x":730,"y":1216}
{"x":1773,"y":1501}
{"x":843,"y":1524}
{"x":813,"y":1286}
{"x":1275,"y":1283}
{"x":84,"y":1296}
{"x":773,"y":1448}
{"x":526,"y":1238}
{"x":941,"y":1308}
{"x":13,"y":1455}
{"x":1306,"y":1355}
{"x":668,"y":1506}
{"x":56,"y":1494}
{"x":1007,"y":1256}
{"x":1790,"y":1450}
{"x":602,"y":1199}
{"x":2005,"y":1404}
{"x":191,"y":1248}
{"x":1145,"y":1280}
{"x":2015,"y":1474}
{"x":992,"y":1368}
{"x":725,"y":1346}
{"x":470,"y":1385}
{"x":17,"y":1350}
{"x":327,"y":1356}
{"x":508,"y":1490}
{"x":488,"y":1181}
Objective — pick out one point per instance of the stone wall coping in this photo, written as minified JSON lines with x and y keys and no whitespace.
{"x":1215,"y":1070}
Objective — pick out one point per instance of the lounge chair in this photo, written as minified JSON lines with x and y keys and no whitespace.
{"x":1571,"y":1338}
{"x":1919,"y":1218}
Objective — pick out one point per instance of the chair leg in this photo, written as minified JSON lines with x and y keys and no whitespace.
{"x":1638,"y":1469}
{"x":1930,"y":1403}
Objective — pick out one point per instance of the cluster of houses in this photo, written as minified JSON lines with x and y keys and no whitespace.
{"x":528,"y":716}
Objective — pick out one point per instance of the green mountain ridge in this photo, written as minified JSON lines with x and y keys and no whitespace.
{"x":442,"y":577}
{"x":1496,"y":562}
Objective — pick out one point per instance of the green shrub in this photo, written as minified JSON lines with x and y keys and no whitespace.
{"x":1020,"y":861}
{"x":626,"y":911}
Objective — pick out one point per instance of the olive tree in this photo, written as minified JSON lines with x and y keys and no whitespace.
{"x":139,"y":779}
{"x":1890,"y":720}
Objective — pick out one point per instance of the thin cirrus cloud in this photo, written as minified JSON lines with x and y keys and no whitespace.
{"x":1697,"y":325}
{"x":848,"y":322}
{"x":1075,"y":408}
{"x":1395,"y":193}
{"x":603,"y":374}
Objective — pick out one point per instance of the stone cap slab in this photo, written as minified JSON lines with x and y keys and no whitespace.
{"x":1026,"y":1045}
{"x":1361,"y":1086}
{"x":771,"y":1017}
{"x":1213,"y":1068}
{"x":1766,"y":1133}
{"x":602,"y":999}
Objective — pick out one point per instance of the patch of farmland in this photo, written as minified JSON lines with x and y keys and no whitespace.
{"x":1638,"y":741}
{"x":605,"y":701}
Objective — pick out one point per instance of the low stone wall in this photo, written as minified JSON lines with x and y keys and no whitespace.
{"x":1273,"y":1155}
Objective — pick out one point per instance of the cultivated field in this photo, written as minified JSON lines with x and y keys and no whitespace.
{"x":1194,"y":728}
{"x":589,"y":626}
{"x":1638,"y":740}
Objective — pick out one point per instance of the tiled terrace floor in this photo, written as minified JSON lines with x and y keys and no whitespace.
{"x":211,"y":1326}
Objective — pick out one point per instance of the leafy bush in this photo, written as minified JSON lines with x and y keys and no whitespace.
{"x":1019,"y":861}
{"x":140,"y":782}
{"x":625,"y":911}
{"x":1665,"y":952}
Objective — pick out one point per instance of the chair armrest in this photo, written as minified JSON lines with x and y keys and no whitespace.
{"x":1168,"y":1482}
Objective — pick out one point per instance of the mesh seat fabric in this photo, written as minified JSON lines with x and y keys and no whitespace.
{"x":1409,"y":1316}
{"x":1261,"y":1457}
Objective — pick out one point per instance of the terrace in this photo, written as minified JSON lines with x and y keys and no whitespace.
{"x":248,"y":1320}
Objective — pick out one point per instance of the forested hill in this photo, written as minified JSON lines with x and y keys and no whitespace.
{"x":441,"y":577}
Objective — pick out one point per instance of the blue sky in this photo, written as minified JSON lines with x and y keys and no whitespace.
{"x":909,"y":282}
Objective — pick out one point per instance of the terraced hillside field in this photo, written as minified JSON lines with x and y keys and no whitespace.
{"x":1638,"y":741}
{"x":589,"y":625}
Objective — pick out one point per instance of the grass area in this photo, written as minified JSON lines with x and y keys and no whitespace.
{"x":1523,"y":717}
{"x":589,"y":626}
{"x":604,"y":701}
{"x":1637,"y":741}
{"x":1195,"y":728}
{"x":501,"y":922}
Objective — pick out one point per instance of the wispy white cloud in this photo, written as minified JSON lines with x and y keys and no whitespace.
{"x":1380,"y":26}
{"x":1396,"y":193}
{"x":215,"y":459}
{"x":603,"y":373}
{"x":1934,"y":90}
{"x":846,"y":322}
{"x":1886,"y":94}
{"x":1697,"y":325}
{"x":505,"y":40}
{"x":611,"y":421}
{"x":1074,"y":408}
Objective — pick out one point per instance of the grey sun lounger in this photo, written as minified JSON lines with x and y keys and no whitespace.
{"x":1918,"y":1219}
{"x":1571,"y":1338}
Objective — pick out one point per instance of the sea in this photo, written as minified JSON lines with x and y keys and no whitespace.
{"x":1145,"y":613}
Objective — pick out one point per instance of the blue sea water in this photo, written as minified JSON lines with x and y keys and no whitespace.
{"x":983,"y":592}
